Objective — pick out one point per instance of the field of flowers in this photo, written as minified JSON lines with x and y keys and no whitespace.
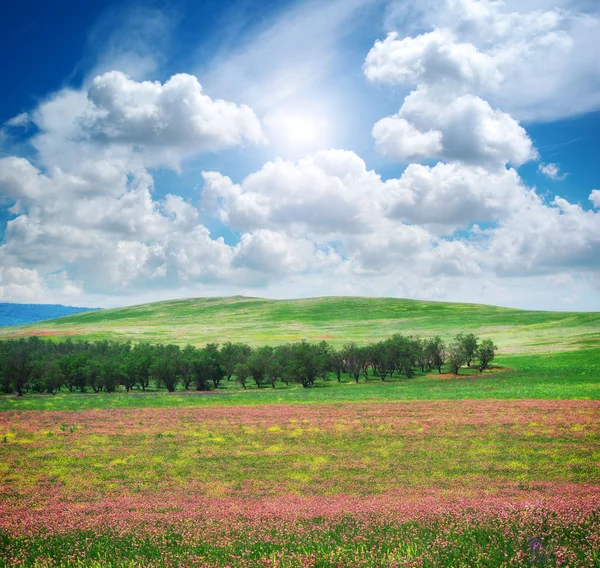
{"x":421,"y":483}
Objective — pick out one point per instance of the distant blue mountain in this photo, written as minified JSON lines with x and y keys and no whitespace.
{"x":17,"y":314}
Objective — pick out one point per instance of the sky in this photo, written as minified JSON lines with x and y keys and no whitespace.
{"x":429,"y":149}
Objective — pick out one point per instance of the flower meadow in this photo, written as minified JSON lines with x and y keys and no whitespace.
{"x":422,"y":483}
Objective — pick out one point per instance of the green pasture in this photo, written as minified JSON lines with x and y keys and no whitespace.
{"x":336,"y":319}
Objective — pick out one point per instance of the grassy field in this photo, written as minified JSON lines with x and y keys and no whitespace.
{"x":337,"y":320}
{"x":494,"y":469}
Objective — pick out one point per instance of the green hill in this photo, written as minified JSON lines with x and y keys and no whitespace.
{"x":335,"y":319}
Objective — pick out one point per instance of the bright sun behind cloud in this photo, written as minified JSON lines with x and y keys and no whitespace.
{"x":295,"y":133}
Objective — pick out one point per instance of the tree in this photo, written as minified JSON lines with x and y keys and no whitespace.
{"x":165,"y":366}
{"x":421,"y":353}
{"x":383,"y":359}
{"x":200,"y":371}
{"x":111,"y":373}
{"x":336,"y":362}
{"x":323,"y":349}
{"x":469,"y":346}
{"x":456,"y":354}
{"x":353,"y":359}
{"x":303,"y":365}
{"x":278,"y":364}
{"x":258,"y":363}
{"x":435,"y":350}
{"x":94,"y":374}
{"x":52,"y":377}
{"x":405,"y":353}
{"x":242,"y":374}
{"x":231,"y":354}
{"x":74,"y":369}
{"x":188,"y":355}
{"x":486,"y":353}
{"x":205,"y":367}
{"x":212,"y":363}
{"x":140,"y":362}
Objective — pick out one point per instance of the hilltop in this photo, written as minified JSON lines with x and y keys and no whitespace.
{"x":334,"y":319}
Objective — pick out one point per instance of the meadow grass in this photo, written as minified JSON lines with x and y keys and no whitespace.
{"x":337,"y":320}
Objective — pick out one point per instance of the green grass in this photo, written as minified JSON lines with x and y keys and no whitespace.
{"x":338,"y":320}
{"x":562,"y":375}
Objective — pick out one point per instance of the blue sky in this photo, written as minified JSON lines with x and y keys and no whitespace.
{"x":441,"y":149}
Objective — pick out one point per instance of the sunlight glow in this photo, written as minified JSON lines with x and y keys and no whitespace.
{"x":298,"y":132}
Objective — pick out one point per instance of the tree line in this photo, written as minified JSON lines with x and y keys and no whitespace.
{"x":33,"y":365}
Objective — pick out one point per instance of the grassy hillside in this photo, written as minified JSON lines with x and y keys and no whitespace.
{"x":335,"y":319}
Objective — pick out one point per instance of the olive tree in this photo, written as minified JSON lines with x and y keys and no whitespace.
{"x":485,"y":353}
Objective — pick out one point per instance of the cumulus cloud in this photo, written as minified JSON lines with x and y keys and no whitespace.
{"x":543,"y":239}
{"x":534,"y":62}
{"x":175,"y":114}
{"x":86,"y":209}
{"x":389,"y":248}
{"x":20,"y":284}
{"x":328,"y":192}
{"x":447,"y":196}
{"x":273,"y":253}
{"x":595,"y":198}
{"x":136,"y":124}
{"x":397,"y":138}
{"x":431,"y":58}
{"x":463,"y":128}
{"x":445,"y":115}
{"x":551,"y":171}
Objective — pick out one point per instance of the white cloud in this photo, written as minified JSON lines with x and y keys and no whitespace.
{"x":183,"y":213}
{"x":551,"y":171}
{"x":463,"y":128}
{"x":532,"y":61}
{"x":18,"y":121}
{"x":20,"y":284}
{"x":447,"y":196}
{"x":20,"y":179}
{"x":595,"y":198}
{"x":193,"y":255}
{"x":545,"y":239}
{"x":434,"y":58}
{"x":273,"y":253}
{"x":389,"y":248}
{"x":330,"y":192}
{"x":121,"y":123}
{"x":176,"y":114}
{"x":397,"y":138}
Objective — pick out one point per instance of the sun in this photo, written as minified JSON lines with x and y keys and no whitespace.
{"x":298,"y":132}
